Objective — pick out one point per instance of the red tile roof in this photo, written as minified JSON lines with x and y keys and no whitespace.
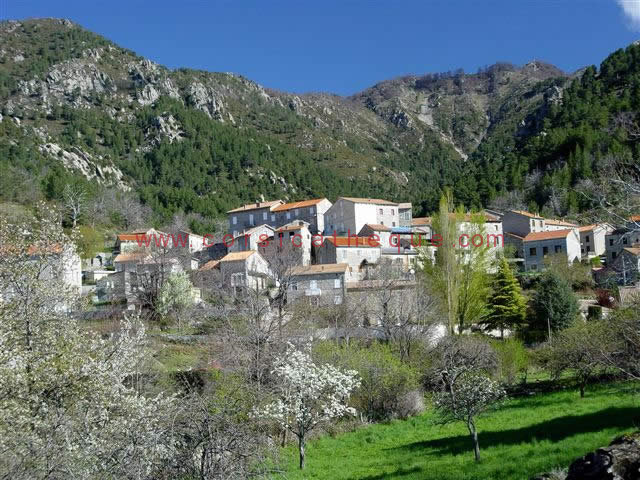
{"x":321,"y":268}
{"x":301,"y":204}
{"x":536,"y":236}
{"x":256,"y":205}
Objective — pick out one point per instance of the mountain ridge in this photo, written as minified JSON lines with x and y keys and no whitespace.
{"x":86,"y":102}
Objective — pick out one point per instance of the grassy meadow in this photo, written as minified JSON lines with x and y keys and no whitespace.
{"x":526,"y":436}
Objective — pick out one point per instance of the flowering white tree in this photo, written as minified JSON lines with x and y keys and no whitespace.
{"x":309,"y":395}
{"x":68,"y":403}
{"x":175,"y":294}
{"x":471,"y":393}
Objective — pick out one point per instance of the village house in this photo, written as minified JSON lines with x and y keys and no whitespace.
{"x":405,"y":215}
{"x":626,"y":266}
{"x":593,"y":240}
{"x":252,"y":215}
{"x":244,"y":270}
{"x":422,"y":225}
{"x":522,"y":223}
{"x":126,"y":242}
{"x":310,"y":211}
{"x":294,"y":238}
{"x":622,"y":237}
{"x":348,"y":215}
{"x":250,"y":239}
{"x":539,"y":245}
{"x":320,"y":285}
{"x":195,"y":242}
{"x":360,"y":253}
{"x":381,"y":232}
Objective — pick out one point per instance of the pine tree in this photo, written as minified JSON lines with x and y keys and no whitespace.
{"x":507,"y":305}
{"x":555,"y":304}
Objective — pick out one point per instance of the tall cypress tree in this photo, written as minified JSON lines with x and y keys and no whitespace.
{"x":507,"y":305}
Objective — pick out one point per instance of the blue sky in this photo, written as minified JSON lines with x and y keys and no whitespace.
{"x":344,"y":46}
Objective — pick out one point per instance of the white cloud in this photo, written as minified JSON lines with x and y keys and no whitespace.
{"x":631,"y":9}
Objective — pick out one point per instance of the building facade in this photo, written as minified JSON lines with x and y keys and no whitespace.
{"x":320,"y":285}
{"x":348,"y":215}
{"x":539,"y":245}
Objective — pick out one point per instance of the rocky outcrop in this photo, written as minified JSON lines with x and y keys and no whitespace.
{"x":203,"y":99}
{"x":619,"y":461}
{"x":90,"y":167}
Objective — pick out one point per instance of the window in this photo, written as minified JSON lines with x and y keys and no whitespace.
{"x":393,"y":224}
{"x":311,"y":211}
{"x":293,"y":286}
{"x":313,"y":284}
{"x":296,"y":212}
{"x":265,"y":215}
{"x":337,"y":283}
{"x":496,"y":227}
{"x":532,"y":252}
{"x":614,"y":254}
{"x":588,"y":248}
{"x":586,"y":238}
{"x":288,"y":215}
{"x":624,"y":240}
{"x":337,"y":300}
{"x":545,"y":250}
{"x":611,"y":242}
{"x":251,"y":218}
{"x":234,"y":220}
{"x":273,"y":218}
{"x":558,"y":248}
{"x":533,"y":223}
{"x":381,"y":211}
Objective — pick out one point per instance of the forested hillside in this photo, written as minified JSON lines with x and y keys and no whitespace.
{"x":78,"y":109}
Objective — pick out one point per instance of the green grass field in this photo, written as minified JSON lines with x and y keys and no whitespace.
{"x":526,"y":436}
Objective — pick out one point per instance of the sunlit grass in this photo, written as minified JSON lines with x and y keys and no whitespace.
{"x":526,"y":436}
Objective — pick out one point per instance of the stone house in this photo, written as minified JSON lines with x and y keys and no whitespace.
{"x":293,"y":237}
{"x":348,"y":215}
{"x":250,"y":239}
{"x":422,"y":225}
{"x":618,"y":239}
{"x":320,"y":285}
{"x":405,"y":214}
{"x":252,"y":215}
{"x":381,"y":232}
{"x":593,"y":240}
{"x":360,"y":253}
{"x":246,"y":269}
{"x":538,"y":245}
{"x":195,"y":242}
{"x":522,"y":223}
{"x":127,"y":242}
{"x":310,"y":211}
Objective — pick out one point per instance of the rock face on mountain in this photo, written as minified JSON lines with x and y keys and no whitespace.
{"x":402,"y":138}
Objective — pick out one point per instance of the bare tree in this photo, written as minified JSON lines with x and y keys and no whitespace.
{"x":75,"y":199}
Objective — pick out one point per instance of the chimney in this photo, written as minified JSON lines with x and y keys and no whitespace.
{"x":257,"y":204}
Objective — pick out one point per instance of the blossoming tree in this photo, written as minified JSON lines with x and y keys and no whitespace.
{"x":309,"y":394}
{"x":69,"y":406}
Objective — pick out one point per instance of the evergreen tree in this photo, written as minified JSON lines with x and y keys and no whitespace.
{"x":555,"y":304}
{"x":507,"y":305}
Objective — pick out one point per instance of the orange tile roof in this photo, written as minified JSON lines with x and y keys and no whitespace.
{"x":360,"y":242}
{"x":376,"y":227}
{"x":235,"y":256}
{"x":321,"y":268}
{"x":130,"y":257}
{"x":372,"y":201}
{"x":301,"y":204}
{"x":560,"y":223}
{"x":635,"y":218}
{"x":210,"y":265}
{"x":129,"y":237}
{"x":417,"y":221}
{"x":633,"y":250}
{"x":256,"y":205}
{"x":532,"y":237}
{"x":526,"y":214}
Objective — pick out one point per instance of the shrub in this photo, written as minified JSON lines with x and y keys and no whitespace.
{"x":513,"y":360}
{"x":388,"y":389}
